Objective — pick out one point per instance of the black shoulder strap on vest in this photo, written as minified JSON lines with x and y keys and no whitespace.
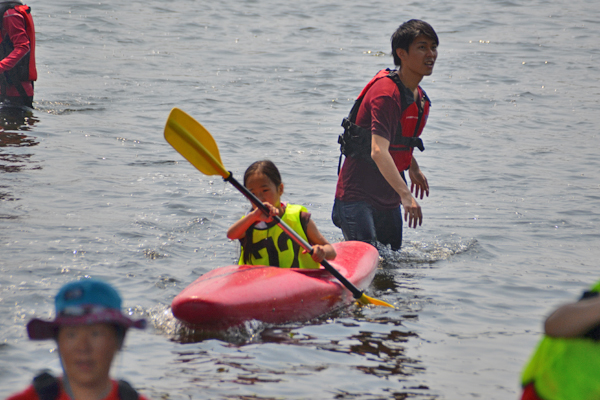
{"x":406,"y":101}
{"x":46,"y":386}
{"x":11,"y":78}
{"x":126,"y":392}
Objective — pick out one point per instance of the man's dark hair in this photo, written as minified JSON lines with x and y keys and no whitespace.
{"x":407,"y":33}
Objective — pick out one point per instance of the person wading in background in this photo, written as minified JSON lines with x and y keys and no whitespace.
{"x":17,"y":58}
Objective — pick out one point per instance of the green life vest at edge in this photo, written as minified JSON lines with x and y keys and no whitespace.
{"x":565,"y":369}
{"x":274,"y":247}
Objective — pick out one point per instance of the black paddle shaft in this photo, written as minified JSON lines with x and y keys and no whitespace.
{"x":306,"y":246}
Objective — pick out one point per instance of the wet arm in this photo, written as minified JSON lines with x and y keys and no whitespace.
{"x":15,"y":27}
{"x":381,"y":155}
{"x":239,"y":228}
{"x":322,"y":249}
{"x":574,"y":319}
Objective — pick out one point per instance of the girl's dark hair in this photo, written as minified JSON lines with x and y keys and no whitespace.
{"x":407,"y":33}
{"x":264,"y":167}
{"x":269,"y":169}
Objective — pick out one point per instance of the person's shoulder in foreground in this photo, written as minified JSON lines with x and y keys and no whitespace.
{"x":89,"y":330}
{"x":47,"y":387}
{"x":566,"y":362}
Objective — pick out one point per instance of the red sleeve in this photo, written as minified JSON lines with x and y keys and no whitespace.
{"x":13,"y":25}
{"x":385,"y":117}
{"x":380,"y":110}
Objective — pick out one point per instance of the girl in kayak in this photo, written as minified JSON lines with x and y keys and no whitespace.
{"x":263,"y":241}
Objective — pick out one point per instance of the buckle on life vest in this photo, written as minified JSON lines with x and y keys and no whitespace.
{"x":409,"y":142}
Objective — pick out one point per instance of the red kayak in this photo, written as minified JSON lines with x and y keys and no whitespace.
{"x":228,"y":296}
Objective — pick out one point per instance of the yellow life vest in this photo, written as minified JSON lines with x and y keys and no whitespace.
{"x":565,"y":368}
{"x":272,"y":246}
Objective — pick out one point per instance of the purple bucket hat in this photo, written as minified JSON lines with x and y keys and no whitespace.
{"x":84,"y":302}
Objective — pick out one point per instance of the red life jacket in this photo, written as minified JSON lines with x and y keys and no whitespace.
{"x":356,"y":140}
{"x":25,"y":68}
{"x":25,"y":11}
{"x":529,"y":393}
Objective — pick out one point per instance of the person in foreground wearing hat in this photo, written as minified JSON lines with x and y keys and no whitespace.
{"x":89,"y":330}
{"x":566,"y":363}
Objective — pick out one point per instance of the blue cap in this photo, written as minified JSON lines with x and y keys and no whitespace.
{"x":90,"y":292}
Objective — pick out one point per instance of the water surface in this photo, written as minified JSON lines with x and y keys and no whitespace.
{"x":89,"y":187}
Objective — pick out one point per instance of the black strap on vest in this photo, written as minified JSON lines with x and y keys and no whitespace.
{"x":413,"y":141}
{"x":355,"y":142}
{"x":126,"y":391}
{"x":10,"y":78}
{"x":47,"y":388}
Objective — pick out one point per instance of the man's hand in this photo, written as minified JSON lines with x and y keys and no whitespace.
{"x":381,"y":155}
{"x":418,"y":182}
{"x":412,"y":211}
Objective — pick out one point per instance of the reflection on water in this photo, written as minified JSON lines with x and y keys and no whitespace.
{"x":386,"y":348}
{"x":5,"y":195}
{"x":14,"y":162}
{"x":372,"y":344}
{"x":17,"y":118}
{"x":13,"y":122}
{"x":382,"y":354}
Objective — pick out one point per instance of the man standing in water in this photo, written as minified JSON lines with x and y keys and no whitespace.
{"x":380,"y":134}
{"x":17,"y":54}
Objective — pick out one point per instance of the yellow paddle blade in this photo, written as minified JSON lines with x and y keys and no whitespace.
{"x":194,"y":142}
{"x":365,"y":300}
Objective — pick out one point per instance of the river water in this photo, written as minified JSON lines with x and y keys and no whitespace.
{"x":89,"y":187}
